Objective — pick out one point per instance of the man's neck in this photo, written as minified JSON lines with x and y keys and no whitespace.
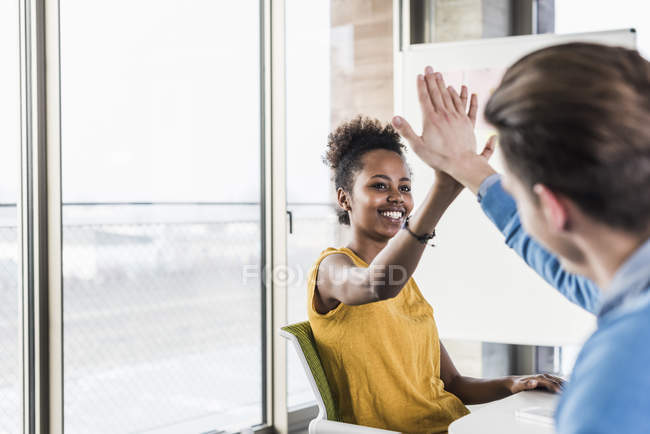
{"x":606,"y":250}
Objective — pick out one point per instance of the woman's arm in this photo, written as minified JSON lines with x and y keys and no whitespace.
{"x":478,"y":391}
{"x":339,"y":280}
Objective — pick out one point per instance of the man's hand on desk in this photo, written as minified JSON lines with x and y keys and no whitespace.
{"x":541,"y":381}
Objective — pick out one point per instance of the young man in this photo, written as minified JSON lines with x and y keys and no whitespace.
{"x":574,"y":128}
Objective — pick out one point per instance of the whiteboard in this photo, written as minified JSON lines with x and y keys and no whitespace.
{"x":478,"y":287}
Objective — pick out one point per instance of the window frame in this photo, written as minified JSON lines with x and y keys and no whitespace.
{"x":40,"y":217}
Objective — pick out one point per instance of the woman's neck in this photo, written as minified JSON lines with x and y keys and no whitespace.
{"x":366,"y":248}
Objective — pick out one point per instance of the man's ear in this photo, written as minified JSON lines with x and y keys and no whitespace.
{"x":553,"y":207}
{"x":343,"y":199}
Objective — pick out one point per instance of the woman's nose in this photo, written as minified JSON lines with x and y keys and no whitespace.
{"x":395,"y":197}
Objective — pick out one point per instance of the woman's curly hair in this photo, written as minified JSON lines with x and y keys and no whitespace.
{"x":349,"y":142}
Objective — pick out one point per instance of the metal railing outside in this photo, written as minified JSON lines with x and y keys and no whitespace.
{"x":160,"y":327}
{"x":162,"y":314}
{"x":10,"y":349}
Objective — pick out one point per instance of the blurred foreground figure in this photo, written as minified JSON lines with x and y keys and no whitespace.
{"x":574,"y":128}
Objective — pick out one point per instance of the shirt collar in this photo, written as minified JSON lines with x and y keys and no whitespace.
{"x":630,"y":283}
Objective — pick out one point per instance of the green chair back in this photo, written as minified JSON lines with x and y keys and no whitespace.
{"x":305,"y":339}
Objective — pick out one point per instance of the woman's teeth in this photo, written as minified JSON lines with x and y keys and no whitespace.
{"x":392,"y":214}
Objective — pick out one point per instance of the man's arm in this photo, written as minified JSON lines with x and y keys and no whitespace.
{"x":499,"y":206}
{"x":448,"y":144}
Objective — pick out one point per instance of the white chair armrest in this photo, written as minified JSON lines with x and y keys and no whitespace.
{"x":321,"y":426}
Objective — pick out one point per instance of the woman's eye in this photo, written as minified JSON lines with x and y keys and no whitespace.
{"x":380,"y":185}
{"x":405,"y":188}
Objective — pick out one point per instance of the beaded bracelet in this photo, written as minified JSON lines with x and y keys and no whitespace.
{"x":421,"y":238}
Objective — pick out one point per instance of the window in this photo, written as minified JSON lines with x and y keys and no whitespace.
{"x":339,"y":64}
{"x":308,"y":199}
{"x":160,"y":108}
{"x":576,"y":16}
{"x":10,"y":325}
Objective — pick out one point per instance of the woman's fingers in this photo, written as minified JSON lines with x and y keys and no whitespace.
{"x":488,"y":150}
{"x":405,"y":130}
{"x":531,"y":384}
{"x":557,"y":380}
{"x":550,"y":385}
{"x":543,"y":381}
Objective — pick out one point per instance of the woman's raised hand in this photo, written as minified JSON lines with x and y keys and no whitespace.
{"x":447,"y":142}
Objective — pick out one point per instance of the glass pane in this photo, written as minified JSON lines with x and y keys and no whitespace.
{"x":573,"y":16}
{"x":161,"y":190}
{"x":459,"y":20}
{"x":10,"y":348}
{"x":308,"y":199}
{"x":339,"y":65}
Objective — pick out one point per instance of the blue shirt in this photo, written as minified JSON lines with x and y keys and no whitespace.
{"x":609,"y":390}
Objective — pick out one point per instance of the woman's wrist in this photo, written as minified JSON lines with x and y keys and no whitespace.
{"x":433,"y":207}
{"x":508,"y":384}
{"x":445,"y":187}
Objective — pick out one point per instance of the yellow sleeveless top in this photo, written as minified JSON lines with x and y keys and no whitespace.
{"x":382,"y":360}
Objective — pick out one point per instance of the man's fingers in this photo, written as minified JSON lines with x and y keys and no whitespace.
{"x":444,"y":93}
{"x":404,"y":129}
{"x":488,"y":150}
{"x":463,"y":97}
{"x":434,"y":92}
{"x":473,"y":108}
{"x":458,"y":104}
{"x":425,"y":100}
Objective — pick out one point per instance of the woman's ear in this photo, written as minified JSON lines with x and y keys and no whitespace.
{"x":343,"y":199}
{"x":554,"y":209}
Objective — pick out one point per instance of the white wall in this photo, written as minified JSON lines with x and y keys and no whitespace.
{"x":479,"y":289}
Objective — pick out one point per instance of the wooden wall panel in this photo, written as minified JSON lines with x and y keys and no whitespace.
{"x":361,"y":59}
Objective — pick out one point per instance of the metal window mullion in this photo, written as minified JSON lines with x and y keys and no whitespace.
{"x":40,"y":218}
{"x":275,"y":211}
{"x":265,"y":167}
{"x":397,"y":55}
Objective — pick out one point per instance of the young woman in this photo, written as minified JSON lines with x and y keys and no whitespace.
{"x":375,"y":332}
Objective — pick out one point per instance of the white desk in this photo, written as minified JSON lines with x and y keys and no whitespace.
{"x":499,"y":416}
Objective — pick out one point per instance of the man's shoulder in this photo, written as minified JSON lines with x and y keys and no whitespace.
{"x":608,"y":391}
{"x":618,"y":346}
{"x":626,"y":330}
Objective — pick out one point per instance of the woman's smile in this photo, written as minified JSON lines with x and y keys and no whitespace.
{"x":393,"y":216}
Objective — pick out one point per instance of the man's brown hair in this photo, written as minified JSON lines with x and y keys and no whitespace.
{"x":576,"y":118}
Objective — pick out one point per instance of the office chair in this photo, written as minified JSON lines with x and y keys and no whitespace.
{"x":328,"y":420}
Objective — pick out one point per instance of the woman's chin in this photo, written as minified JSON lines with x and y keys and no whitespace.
{"x":390,"y":232}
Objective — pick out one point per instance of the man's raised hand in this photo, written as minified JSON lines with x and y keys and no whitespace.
{"x":447,"y":142}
